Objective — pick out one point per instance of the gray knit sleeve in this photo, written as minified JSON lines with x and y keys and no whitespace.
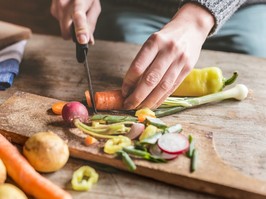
{"x":222,"y":10}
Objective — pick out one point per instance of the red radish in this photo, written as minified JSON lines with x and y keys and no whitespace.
{"x":173,"y":143}
{"x":135,"y":130}
{"x":156,"y":151}
{"x":75,"y":110}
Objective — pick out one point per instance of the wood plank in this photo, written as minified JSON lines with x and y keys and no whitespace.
{"x":25,"y":114}
{"x":11,"y":33}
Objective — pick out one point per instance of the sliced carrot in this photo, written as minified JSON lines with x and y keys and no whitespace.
{"x":25,"y":176}
{"x":89,"y":140}
{"x":107,"y":100}
{"x":57,"y":107}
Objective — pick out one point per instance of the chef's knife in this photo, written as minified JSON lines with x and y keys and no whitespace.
{"x":81,"y":55}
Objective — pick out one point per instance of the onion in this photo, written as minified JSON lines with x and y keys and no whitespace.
{"x":75,"y":110}
{"x":135,"y":130}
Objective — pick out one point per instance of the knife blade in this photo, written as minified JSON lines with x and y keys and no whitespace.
{"x":81,"y":56}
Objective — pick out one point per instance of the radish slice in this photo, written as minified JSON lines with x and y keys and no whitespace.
{"x":135,"y":130}
{"x":173,"y":143}
{"x":156,"y":151}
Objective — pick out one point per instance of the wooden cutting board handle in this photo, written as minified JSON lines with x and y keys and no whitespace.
{"x":11,"y":33}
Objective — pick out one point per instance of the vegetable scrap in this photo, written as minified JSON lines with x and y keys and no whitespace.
{"x":83,"y":178}
{"x":57,"y":107}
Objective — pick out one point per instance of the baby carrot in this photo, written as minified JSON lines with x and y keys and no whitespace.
{"x":107,"y":100}
{"x":89,"y":140}
{"x":57,"y":107}
{"x":25,"y":176}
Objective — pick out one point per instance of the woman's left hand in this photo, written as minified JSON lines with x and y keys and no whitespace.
{"x":166,"y":58}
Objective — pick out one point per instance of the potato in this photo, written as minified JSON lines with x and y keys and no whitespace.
{"x":46,"y":151}
{"x":9,"y":191}
{"x":2,"y":172}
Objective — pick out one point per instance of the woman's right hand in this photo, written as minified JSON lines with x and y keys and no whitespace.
{"x":84,"y":15}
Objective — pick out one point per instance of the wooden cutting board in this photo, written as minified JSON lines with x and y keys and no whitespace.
{"x":24,"y":114}
{"x":11,"y":33}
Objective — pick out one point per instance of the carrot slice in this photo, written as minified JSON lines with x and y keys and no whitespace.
{"x":107,"y":100}
{"x":58,"y":107}
{"x":25,"y":176}
{"x":89,"y":140}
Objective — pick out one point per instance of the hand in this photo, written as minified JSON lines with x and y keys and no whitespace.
{"x":166,"y":58}
{"x":84,"y":14}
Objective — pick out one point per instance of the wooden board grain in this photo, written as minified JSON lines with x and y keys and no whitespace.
{"x":24,"y":114}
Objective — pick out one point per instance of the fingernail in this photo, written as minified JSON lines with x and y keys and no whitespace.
{"x":82,"y":39}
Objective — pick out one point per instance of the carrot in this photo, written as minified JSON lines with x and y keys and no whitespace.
{"x":107,"y":100}
{"x":89,"y":140}
{"x":58,"y":107}
{"x":25,"y":176}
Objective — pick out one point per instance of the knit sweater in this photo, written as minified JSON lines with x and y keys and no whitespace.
{"x":222,"y":10}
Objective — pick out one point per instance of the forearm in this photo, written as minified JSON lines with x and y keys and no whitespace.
{"x":220,"y":9}
{"x":202,"y":20}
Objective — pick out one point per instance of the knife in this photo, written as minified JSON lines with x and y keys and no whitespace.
{"x":81,"y":55}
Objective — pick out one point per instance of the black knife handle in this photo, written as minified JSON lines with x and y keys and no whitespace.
{"x":80,"y":48}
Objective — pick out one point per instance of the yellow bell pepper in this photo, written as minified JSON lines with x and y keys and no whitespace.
{"x":203,"y":81}
{"x":115,"y":144}
{"x":84,"y":178}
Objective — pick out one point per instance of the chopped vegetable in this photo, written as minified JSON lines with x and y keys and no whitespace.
{"x":143,"y":154}
{"x":177,"y":128}
{"x":46,"y":151}
{"x":151,"y":139}
{"x":75,"y":110}
{"x":143,"y":113}
{"x":109,"y":119}
{"x":203,"y":81}
{"x":149,"y":131}
{"x":84,"y":178}
{"x":173,"y":143}
{"x":194,"y":160}
{"x":89,"y":140}
{"x":2,"y":172}
{"x":10,"y":191}
{"x":155,"y":122}
{"x":25,"y":176}
{"x":58,"y":107}
{"x":116,"y":144}
{"x":127,"y":160}
{"x":156,"y":151}
{"x":135,"y":130}
{"x":107,"y":100}
{"x":191,"y":146}
{"x":239,"y":92}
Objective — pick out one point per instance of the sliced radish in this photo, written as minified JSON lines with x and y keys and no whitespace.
{"x":173,"y":143}
{"x":135,"y":130}
{"x":156,"y":151}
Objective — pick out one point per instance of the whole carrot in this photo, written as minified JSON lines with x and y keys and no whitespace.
{"x":107,"y":100}
{"x":25,"y":176}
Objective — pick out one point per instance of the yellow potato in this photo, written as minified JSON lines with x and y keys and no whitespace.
{"x":9,"y":191}
{"x":46,"y":151}
{"x":2,"y":172}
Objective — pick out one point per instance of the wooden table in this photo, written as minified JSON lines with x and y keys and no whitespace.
{"x":49,"y":68}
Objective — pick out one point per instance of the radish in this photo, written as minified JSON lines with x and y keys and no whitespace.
{"x":75,"y":110}
{"x":173,"y":143}
{"x":156,"y":151}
